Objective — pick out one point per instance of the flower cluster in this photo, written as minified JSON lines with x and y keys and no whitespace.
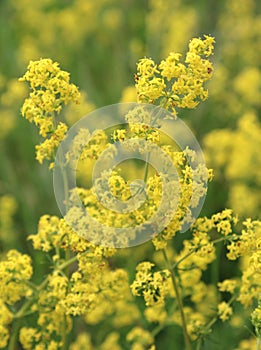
{"x":174,"y":84}
{"x":50,"y":90}
{"x":92,"y":290}
{"x":6,"y":317}
{"x":15,"y":272}
{"x":224,"y":311}
{"x":153,"y":286}
{"x":140,"y":339}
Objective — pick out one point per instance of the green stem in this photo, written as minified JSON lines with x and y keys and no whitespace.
{"x":12,"y":342}
{"x":210,"y":324}
{"x":216,"y":266}
{"x":157,"y":330}
{"x":67,"y":263}
{"x":64,"y":335}
{"x":215,"y":318}
{"x":68,"y":260}
{"x":179,"y":301}
{"x":24,"y":308}
{"x":65,"y":181}
{"x":258,"y":344}
{"x":199,"y":343}
{"x":161,"y":326}
{"x":146,"y":172}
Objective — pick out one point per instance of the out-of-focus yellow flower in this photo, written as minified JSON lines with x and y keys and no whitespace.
{"x":224,"y":311}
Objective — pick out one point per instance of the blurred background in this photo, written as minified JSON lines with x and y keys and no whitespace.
{"x":99,"y":43}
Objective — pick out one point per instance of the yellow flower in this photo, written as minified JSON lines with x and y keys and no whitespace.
{"x":228,"y":285}
{"x":224,"y":311}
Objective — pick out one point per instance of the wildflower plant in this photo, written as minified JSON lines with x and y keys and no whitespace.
{"x":85,"y":285}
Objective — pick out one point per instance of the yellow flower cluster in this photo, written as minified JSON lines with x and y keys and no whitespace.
{"x":15,"y":271}
{"x":153,"y":286}
{"x":6,"y":317}
{"x":84,"y":341}
{"x":140,"y":339}
{"x":54,"y":233}
{"x":81,"y":282}
{"x":224,"y":311}
{"x":46,"y":150}
{"x":50,"y":90}
{"x":121,"y":186}
{"x":227,"y":285}
{"x":120,"y":189}
{"x":188,"y":265}
{"x":248,"y":243}
{"x":93,"y":290}
{"x":88,"y":146}
{"x":247,"y":247}
{"x":174,"y":84}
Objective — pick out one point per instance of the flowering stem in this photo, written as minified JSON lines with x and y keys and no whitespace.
{"x":193,"y":250}
{"x":68,"y":259}
{"x":26,"y":305}
{"x":23,"y":311}
{"x":213,"y":321}
{"x":179,"y":300}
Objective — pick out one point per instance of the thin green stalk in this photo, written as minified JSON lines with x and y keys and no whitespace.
{"x":64,"y":335}
{"x":210,"y":324}
{"x":24,"y":308}
{"x":214,"y":320}
{"x":179,"y":301}
{"x":146,"y":172}
{"x":157,"y":330}
{"x":12,"y":342}
{"x":258,"y":344}
{"x":216,"y":266}
{"x":199,"y":343}
{"x":68,"y":260}
{"x":161,"y":326}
